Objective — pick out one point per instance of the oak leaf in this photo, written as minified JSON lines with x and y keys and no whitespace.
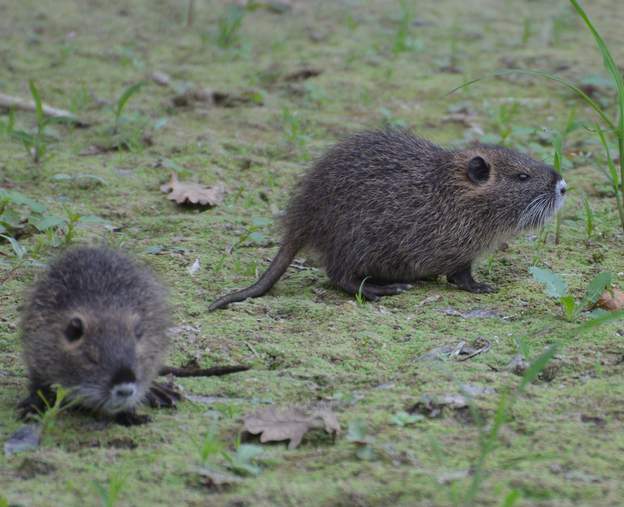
{"x":193,"y":193}
{"x":290,"y":423}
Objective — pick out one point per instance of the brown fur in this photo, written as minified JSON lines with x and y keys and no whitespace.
{"x":389,"y":208}
{"x":123,"y":313}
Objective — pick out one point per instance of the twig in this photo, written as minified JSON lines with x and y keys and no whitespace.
{"x":202,"y":372}
{"x":10,"y":102}
{"x":189,"y":13}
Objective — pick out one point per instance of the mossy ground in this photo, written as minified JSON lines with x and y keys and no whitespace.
{"x":563,"y":444}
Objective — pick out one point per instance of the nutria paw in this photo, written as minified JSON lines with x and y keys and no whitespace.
{"x":372,"y":291}
{"x":463,"y":280}
{"x":163,"y":395}
{"x":33,"y":405}
{"x":131,"y":419}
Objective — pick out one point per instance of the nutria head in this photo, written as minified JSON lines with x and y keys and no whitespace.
{"x":104,"y":359}
{"x":512,"y":190}
{"x":95,"y":324}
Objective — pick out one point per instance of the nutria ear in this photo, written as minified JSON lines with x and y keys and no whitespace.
{"x":478,"y":170}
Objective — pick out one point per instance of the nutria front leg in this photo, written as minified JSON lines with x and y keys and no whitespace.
{"x":462,"y":278}
{"x":371,"y":291}
{"x":33,"y":404}
{"x":131,"y":418}
{"x":163,"y":395}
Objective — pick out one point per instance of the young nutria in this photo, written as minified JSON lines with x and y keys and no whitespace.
{"x":95,"y":324}
{"x":384,"y":209}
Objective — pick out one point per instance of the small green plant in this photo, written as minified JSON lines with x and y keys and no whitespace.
{"x":359,"y":296}
{"x":127,"y":131}
{"x":110,"y":493}
{"x":3,"y":501}
{"x":402,"y":418}
{"x":504,"y":120}
{"x":252,"y":233}
{"x":294,"y":131}
{"x":527,"y":30}
{"x":229,"y":26}
{"x":35,"y":143}
{"x":357,"y":433}
{"x":556,"y":287}
{"x":402,"y":37}
{"x":244,"y":461}
{"x":589,"y":218}
{"x":390,"y":119}
{"x":49,"y":416}
{"x":210,"y":446}
{"x":122,"y":102}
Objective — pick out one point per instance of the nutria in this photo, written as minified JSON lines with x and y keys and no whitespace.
{"x":384,"y":209}
{"x":95,"y":324}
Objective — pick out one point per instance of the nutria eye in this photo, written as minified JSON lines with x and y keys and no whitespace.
{"x":74,"y":330}
{"x":523,"y":176}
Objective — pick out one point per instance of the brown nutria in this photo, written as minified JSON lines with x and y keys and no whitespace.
{"x":384,"y":209}
{"x":95,"y":324}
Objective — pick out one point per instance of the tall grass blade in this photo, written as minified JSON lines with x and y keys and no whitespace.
{"x":592,"y":103}
{"x":125,"y":97}
{"x":38,"y":103}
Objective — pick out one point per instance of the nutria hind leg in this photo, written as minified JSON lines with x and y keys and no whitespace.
{"x":371,"y":291}
{"x":34,"y":404}
{"x":163,"y":395}
{"x":462,"y":278}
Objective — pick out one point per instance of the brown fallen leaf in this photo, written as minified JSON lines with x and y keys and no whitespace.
{"x":217,"y":480}
{"x":290,"y":423}
{"x":195,"y":95}
{"x":193,"y":193}
{"x":303,"y":74}
{"x":611,"y":300}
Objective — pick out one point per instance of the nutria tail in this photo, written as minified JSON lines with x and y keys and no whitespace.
{"x":278,"y":267}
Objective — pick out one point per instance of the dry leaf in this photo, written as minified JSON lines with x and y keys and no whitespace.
{"x":303,"y":74}
{"x":611,"y":300}
{"x":290,"y":423}
{"x":193,"y":193}
{"x":214,"y":479}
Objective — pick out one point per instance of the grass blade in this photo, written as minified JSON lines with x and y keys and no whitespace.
{"x":609,"y":63}
{"x":592,"y":103}
{"x":38,"y":103}
{"x":125,"y":97}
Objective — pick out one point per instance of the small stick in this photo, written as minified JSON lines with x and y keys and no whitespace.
{"x":10,"y":102}
{"x":189,"y":13}
{"x":202,"y":372}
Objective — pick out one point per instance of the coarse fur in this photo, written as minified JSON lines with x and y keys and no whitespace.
{"x":384,"y":209}
{"x":95,"y":324}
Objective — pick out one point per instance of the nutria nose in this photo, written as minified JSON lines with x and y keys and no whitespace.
{"x":562,"y":186}
{"x":125,"y":390}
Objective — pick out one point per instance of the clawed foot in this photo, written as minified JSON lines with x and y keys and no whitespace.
{"x":33,"y":405}
{"x":480,"y":288}
{"x":131,"y":419}
{"x":372,"y":291}
{"x":463,"y":280}
{"x":163,"y":396}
